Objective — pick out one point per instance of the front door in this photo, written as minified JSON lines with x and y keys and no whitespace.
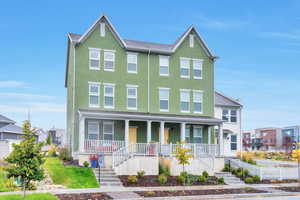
{"x":167,"y":136}
{"x":132,"y":135}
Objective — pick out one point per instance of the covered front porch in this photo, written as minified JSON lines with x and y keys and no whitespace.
{"x":148,"y":134}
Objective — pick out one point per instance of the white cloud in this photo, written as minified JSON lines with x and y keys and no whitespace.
{"x":24,"y":96}
{"x":34,"y":107}
{"x":12,"y":84}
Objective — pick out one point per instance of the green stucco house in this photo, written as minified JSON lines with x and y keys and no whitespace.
{"x":133,"y":100}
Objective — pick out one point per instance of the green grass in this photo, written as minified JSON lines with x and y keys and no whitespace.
{"x":45,"y":196}
{"x":71,"y":177}
{"x":3,"y":179}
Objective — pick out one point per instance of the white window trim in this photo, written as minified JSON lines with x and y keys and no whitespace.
{"x":198,"y":91}
{"x":113,"y":94}
{"x":164,"y":65}
{"x":136,"y":97}
{"x":114,"y":60}
{"x":191,"y":40}
{"x":102,"y":29}
{"x":94,"y":94}
{"x":165,"y":89}
{"x":88,"y":133}
{"x":229,"y":116}
{"x":201,"y":127}
{"x":200,"y":68}
{"x":189,"y":91}
{"x":189,"y":67}
{"x":113,"y":128}
{"x":135,"y":54}
{"x":99,"y":59}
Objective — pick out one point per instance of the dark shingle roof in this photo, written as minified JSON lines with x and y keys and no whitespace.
{"x":5,"y":119}
{"x":139,"y":45}
{"x":74,"y":37}
{"x":11,"y":128}
{"x":222,"y":100}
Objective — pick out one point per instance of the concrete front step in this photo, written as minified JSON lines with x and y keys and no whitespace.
{"x":107,"y":177}
{"x":229,"y":178}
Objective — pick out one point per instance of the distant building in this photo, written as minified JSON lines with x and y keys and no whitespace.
{"x":267,"y":139}
{"x":58,"y":136}
{"x":42,"y":135}
{"x":290,"y":135}
{"x":247,"y":140}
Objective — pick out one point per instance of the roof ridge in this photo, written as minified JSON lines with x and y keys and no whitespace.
{"x":229,"y":98}
{"x":149,"y":42}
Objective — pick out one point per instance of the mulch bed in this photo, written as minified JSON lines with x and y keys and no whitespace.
{"x":277,"y":181}
{"x":152,"y":181}
{"x":198,"y":192}
{"x":85,"y":196}
{"x":289,"y":189}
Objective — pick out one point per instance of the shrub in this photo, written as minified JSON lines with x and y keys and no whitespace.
{"x":150,"y":193}
{"x":221,"y":180}
{"x":164,"y":171}
{"x":226,"y":167}
{"x":9,"y":183}
{"x":52,"y":151}
{"x":181,"y":179}
{"x":205,"y":174}
{"x":240,"y":174}
{"x":249,"y":180}
{"x":132,"y":179}
{"x":256,"y":179}
{"x":141,"y":173}
{"x":184,"y":174}
{"x":202,"y":179}
{"x":31,"y":186}
{"x":86,"y":164}
{"x":234,"y":171}
{"x":239,"y":170}
{"x":162,"y":179}
{"x":190,"y":179}
{"x":246,"y":173}
{"x":64,"y":154}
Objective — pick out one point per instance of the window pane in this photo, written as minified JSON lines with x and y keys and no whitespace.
{"x":198,"y":107}
{"x":92,"y":136}
{"x":163,"y":70}
{"x":163,"y":104}
{"x":94,"y":100}
{"x":131,"y":67}
{"x":94,"y":89}
{"x":108,"y":64}
{"x":108,"y":90}
{"x":225,"y":112}
{"x":185,"y":96}
{"x":109,"y":56}
{"x":108,"y":137}
{"x":184,"y":63}
{"x":131,"y":58}
{"x":163,"y":61}
{"x":109,"y":101}
{"x":233,"y":146}
{"x":197,"y":132}
{"x":131,"y":103}
{"x":94,"y":63}
{"x":197,"y":96}
{"x":94,"y":54}
{"x":225,"y":118}
{"x":184,"y":72}
{"x":184,"y":106}
{"x":197,"y":140}
{"x":187,"y":132}
{"x":163,"y":94}
{"x":131,"y":91}
{"x":233,"y":119}
{"x":197,"y":73}
{"x":233,"y":112}
{"x":93,"y":128}
{"x":233,"y":138}
{"x":107,"y":128}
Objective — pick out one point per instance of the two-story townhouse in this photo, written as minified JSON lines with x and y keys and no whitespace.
{"x":127,"y":98}
{"x":230,"y":111}
{"x":270,"y":139}
{"x":290,"y":136}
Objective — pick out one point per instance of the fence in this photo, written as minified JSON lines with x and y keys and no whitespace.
{"x":279,"y":173}
{"x":104,"y":146}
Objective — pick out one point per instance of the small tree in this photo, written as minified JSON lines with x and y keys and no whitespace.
{"x":296,"y":157}
{"x":26,"y":159}
{"x":183,"y":155}
{"x":49,"y":139}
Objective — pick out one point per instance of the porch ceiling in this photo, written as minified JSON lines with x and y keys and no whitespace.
{"x":136,"y":116}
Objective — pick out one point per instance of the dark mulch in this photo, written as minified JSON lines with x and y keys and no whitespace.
{"x":85,"y":196}
{"x":152,"y":181}
{"x":199,"y":192}
{"x":277,"y":181}
{"x":289,"y":189}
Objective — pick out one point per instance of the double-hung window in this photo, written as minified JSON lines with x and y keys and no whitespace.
{"x":164,"y":65}
{"x":197,"y":68}
{"x":108,"y":130}
{"x":109,"y":95}
{"x":93,"y":130}
{"x":198,"y":134}
{"x":185,"y":100}
{"x":109,"y":60}
{"x":229,"y":115}
{"x":233,"y":142}
{"x":131,"y":97}
{"x":132,"y":63}
{"x":188,"y":133}
{"x":198,"y":101}
{"x":184,"y":67}
{"x":164,"y":99}
{"x":94,"y":94}
{"x":94,"y":59}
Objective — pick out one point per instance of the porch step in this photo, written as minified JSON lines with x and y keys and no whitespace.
{"x":229,"y":178}
{"x":108,"y":177}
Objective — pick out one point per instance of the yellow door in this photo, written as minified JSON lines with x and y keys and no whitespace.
{"x":132,"y":135}
{"x":166,"y":141}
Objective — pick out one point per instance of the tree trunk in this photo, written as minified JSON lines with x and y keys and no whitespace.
{"x":24,"y":188}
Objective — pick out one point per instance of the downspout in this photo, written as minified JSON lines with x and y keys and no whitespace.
{"x":148,"y":81}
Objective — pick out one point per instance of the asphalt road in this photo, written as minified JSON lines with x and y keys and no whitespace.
{"x":273,"y":198}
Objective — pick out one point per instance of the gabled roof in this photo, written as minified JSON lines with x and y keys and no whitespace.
{"x":11,"y":128}
{"x":222,"y":100}
{"x":6,"y":120}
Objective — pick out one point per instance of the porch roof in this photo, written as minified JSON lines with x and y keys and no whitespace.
{"x":136,"y":116}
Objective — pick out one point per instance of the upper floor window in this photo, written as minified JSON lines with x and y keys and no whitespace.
{"x":164,"y":65}
{"x":229,"y":115}
{"x":132,"y":63}
{"x":198,"y":101}
{"x":94,"y":58}
{"x":185,"y":100}
{"x":102,"y":29}
{"x":93,"y":130}
{"x":94,"y":93}
{"x":198,"y":134}
{"x":164,"y":99}
{"x":184,"y":67}
{"x":197,"y":68}
{"x":109,"y":60}
{"x":191,"y":41}
{"x":108,"y":130}
{"x":109,"y":94}
{"x":132,"y":97}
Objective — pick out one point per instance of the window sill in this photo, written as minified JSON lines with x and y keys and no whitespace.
{"x":93,"y":68}
{"x":164,"y":110}
{"x":131,"y":108}
{"x":198,"y":78}
{"x":94,"y":106}
{"x":109,"y":107}
{"x":198,"y":112}
{"x":185,"y":77}
{"x":132,"y":72}
{"x":185,"y":111}
{"x":164,"y":75}
{"x":109,"y":70}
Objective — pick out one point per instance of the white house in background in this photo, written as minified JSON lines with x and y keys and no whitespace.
{"x":229,"y":110}
{"x":58,"y":136}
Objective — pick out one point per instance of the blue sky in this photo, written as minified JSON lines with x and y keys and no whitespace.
{"x":258,"y":43}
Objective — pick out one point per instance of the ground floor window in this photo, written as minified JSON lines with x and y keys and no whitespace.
{"x":233,"y":144}
{"x":187,"y":134}
{"x":93,"y":130}
{"x":198,"y":134}
{"x":108,"y":130}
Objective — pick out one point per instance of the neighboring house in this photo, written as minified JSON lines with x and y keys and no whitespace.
{"x":42,"y":135}
{"x":133,"y":101}
{"x":58,"y":136}
{"x":9,"y":133}
{"x":230,"y":111}
{"x":247,"y":140}
{"x":290,"y":136}
{"x":269,"y":139}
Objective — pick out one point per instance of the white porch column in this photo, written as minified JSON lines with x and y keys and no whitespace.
{"x":126,"y":132}
{"x":162,"y":132}
{"x":182,"y":132}
{"x":221,"y":140}
{"x":81,"y":133}
{"x":149,"y":131}
{"x":209,"y":135}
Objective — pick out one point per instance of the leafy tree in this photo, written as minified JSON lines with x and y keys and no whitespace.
{"x":183,"y":155}
{"x":26,"y":159}
{"x":296,"y":157}
{"x":48,"y":139}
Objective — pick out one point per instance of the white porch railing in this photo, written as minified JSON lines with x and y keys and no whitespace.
{"x":104,"y":146}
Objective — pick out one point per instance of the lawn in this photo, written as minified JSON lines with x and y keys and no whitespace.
{"x":3,"y":179}
{"x":45,"y":196}
{"x":70,"y":176}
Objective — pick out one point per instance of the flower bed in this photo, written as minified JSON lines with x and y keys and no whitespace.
{"x":90,"y":196}
{"x":289,"y":189}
